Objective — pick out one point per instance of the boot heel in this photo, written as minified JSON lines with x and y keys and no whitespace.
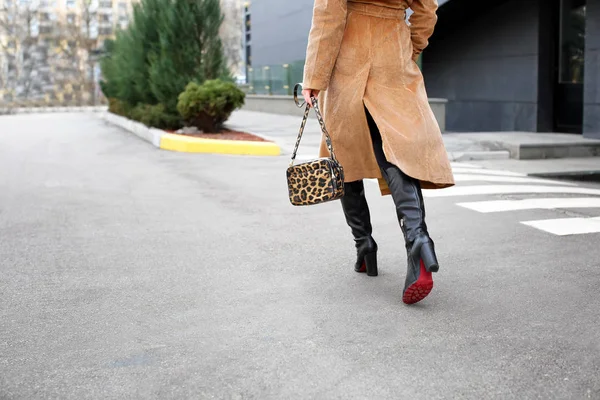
{"x":429,"y":258}
{"x":371,"y":263}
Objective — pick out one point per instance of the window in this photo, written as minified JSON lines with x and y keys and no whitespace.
{"x":45,"y":29}
{"x":34,"y":28}
{"x":105,"y":31}
{"x":43,"y":53}
{"x":4,"y":67}
{"x":106,"y":4}
{"x":572,"y":41}
{"x":70,"y":4}
{"x":71,"y":18}
{"x":47,"y":3}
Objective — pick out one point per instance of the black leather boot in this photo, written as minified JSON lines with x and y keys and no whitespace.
{"x":420,"y":248}
{"x":358,"y":217}
{"x":408,"y":198}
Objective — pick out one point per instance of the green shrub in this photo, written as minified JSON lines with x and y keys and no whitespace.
{"x":155,"y":116}
{"x":118,"y":107}
{"x":209,"y":105}
{"x":166,"y":45}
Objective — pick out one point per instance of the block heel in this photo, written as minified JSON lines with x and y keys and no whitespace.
{"x":428,"y":257}
{"x":371,"y":264}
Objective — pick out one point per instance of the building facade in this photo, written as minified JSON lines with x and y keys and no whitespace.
{"x":47,"y":46}
{"x":232,"y":34}
{"x":508,"y":65}
{"x":503,"y":65}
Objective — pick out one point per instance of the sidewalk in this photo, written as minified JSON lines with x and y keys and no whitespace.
{"x":491,"y":150}
{"x":283,"y":129}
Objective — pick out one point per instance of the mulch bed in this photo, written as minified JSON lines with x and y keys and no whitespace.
{"x":224,"y":135}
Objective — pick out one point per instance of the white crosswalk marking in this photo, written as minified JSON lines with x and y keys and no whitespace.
{"x":473,"y":180}
{"x":510,"y":179}
{"x":523,"y":184}
{"x":566,"y":226}
{"x":531,"y":204}
{"x":505,"y":189}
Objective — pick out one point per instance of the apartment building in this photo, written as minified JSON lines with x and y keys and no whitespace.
{"x":232,"y":35}
{"x":47,"y":48}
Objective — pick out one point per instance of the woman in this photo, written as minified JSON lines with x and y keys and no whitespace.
{"x":361,"y":63}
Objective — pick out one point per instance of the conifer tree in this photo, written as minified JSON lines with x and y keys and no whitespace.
{"x":168,"y":44}
{"x":190,"y":48}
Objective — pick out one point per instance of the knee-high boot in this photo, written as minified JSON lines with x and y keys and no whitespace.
{"x":410,"y":208}
{"x":420,"y":248}
{"x":358,"y":217}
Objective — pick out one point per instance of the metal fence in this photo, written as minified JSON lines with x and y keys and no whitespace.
{"x":278,"y":79}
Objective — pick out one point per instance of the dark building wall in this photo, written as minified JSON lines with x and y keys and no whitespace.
{"x":279,"y":30}
{"x":591,"y":105}
{"x":487,"y":68}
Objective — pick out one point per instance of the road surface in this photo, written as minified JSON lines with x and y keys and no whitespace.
{"x":131,"y":272}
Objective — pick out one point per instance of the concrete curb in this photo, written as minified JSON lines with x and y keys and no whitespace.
{"x":179,"y":143}
{"x":150,"y":135}
{"x":44,"y":110}
{"x":236,"y":147}
{"x":479,"y":155}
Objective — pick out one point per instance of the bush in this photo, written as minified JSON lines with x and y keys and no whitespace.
{"x":155,"y":116}
{"x":166,"y":45}
{"x":118,"y":107}
{"x":209,"y":105}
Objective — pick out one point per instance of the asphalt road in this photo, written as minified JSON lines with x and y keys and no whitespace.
{"x":133,"y":273}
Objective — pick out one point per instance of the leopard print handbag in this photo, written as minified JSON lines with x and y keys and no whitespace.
{"x":316,"y":181}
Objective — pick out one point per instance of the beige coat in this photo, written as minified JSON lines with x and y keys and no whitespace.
{"x":362,"y":53}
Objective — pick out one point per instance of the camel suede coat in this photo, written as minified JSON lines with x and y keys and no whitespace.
{"x":362,"y":54}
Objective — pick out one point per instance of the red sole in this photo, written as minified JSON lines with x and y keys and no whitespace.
{"x":420,"y":289}
{"x":363,"y":267}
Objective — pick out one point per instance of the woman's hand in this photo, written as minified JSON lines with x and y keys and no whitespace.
{"x":308,"y":93}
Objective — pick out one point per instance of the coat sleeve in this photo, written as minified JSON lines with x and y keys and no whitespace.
{"x":324,"y":41}
{"x":422,"y":24}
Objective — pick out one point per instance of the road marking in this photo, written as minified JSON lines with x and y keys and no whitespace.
{"x":485,"y":171}
{"x":531,"y":204}
{"x":511,"y":179}
{"x":566,"y":226}
{"x":505,"y":189}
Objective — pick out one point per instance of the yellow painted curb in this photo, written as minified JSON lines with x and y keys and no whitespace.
{"x":197,"y":145}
